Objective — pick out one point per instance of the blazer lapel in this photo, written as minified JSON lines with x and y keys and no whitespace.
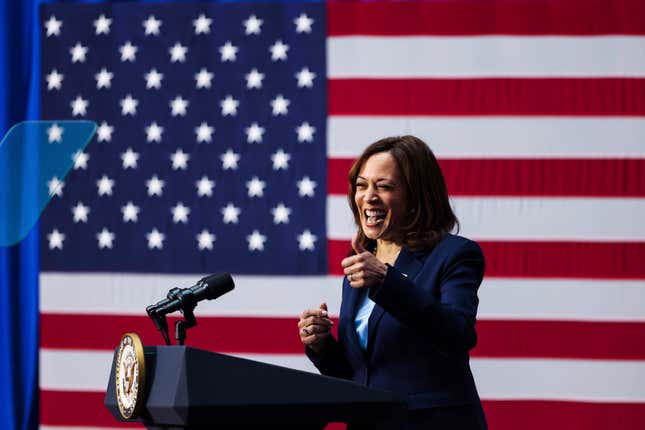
{"x":375,"y":318}
{"x":406,"y":263}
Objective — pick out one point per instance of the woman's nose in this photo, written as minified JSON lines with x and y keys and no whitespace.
{"x":370,"y":194}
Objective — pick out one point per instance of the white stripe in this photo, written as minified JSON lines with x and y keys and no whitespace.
{"x":82,"y":370}
{"x":527,"y":218}
{"x":130,"y":293}
{"x":495,"y":137}
{"x":510,"y":299}
{"x":485,"y":56}
{"x":559,"y":299}
{"x":588,"y":380}
{"x":585,"y":380}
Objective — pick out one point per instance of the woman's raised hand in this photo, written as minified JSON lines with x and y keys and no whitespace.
{"x":363,"y":269}
{"x":314,"y":327}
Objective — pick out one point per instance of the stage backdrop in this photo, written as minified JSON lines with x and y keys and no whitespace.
{"x":225,"y":135}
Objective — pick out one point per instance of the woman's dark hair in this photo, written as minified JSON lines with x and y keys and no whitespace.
{"x":429,"y":215}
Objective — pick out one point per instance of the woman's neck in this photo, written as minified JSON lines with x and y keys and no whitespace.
{"x":387,"y":251}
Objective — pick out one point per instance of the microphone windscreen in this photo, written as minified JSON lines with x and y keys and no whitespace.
{"x":215,"y":285}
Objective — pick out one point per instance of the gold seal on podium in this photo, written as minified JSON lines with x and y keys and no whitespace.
{"x":130,"y":375}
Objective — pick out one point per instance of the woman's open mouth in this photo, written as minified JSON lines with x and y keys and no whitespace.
{"x":374,"y":217}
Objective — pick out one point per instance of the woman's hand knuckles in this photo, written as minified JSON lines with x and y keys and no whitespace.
{"x":308,"y":312}
{"x":348,"y":261}
{"x":318,"y":321}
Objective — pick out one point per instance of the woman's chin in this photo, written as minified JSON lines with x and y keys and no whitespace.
{"x":373,"y":232}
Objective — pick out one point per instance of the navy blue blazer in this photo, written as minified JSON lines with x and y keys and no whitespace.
{"x":420,"y":330}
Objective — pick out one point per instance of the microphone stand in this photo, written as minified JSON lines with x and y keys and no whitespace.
{"x":188,"y":303}
{"x":187,"y":307}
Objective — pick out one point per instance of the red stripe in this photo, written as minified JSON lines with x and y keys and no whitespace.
{"x":611,"y":260}
{"x":474,"y":17}
{"x":337,"y":175}
{"x":75,"y":408}
{"x":560,"y":339}
{"x":488,"y":96}
{"x":221,"y":334}
{"x":526,"y":177}
{"x":556,"y":415}
{"x":557,"y":339}
{"x":81,"y":408}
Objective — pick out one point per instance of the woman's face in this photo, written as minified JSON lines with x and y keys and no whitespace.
{"x":380,"y":197}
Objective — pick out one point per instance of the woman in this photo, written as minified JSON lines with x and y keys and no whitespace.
{"x":407,"y":318}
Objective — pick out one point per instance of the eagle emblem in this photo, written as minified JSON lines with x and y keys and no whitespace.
{"x":130,"y":372}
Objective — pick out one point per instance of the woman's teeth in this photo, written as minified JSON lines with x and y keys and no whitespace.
{"x":374,"y":213}
{"x":373,"y":217}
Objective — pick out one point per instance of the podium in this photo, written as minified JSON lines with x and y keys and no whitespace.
{"x":189,"y":388}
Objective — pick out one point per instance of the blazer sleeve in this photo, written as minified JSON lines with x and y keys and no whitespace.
{"x":447,"y":321}
{"x":331,"y":360}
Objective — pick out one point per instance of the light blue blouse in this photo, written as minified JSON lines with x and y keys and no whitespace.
{"x":361,"y":321}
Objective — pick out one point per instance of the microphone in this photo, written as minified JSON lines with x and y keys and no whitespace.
{"x":185,"y":300}
{"x":207,"y":288}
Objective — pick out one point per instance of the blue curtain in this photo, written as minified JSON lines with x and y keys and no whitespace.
{"x":18,"y":263}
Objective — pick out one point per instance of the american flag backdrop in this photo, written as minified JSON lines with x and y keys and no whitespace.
{"x":225,"y":135}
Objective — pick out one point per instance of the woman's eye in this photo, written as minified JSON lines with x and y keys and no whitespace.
{"x":385,"y":187}
{"x":360,"y":185}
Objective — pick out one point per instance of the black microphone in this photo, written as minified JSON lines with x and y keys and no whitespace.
{"x":185,"y":300}
{"x":207,"y":288}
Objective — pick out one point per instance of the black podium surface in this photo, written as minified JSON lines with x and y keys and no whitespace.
{"x":192,"y":388}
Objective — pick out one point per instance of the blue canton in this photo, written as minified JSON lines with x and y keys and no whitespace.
{"x":210,"y":152}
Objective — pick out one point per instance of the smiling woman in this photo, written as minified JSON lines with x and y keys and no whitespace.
{"x":407,"y":317}
{"x":406,"y":173}
{"x":380,"y":197}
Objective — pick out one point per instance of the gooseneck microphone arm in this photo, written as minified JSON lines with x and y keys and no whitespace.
{"x":185,"y":300}
{"x":160,"y":322}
